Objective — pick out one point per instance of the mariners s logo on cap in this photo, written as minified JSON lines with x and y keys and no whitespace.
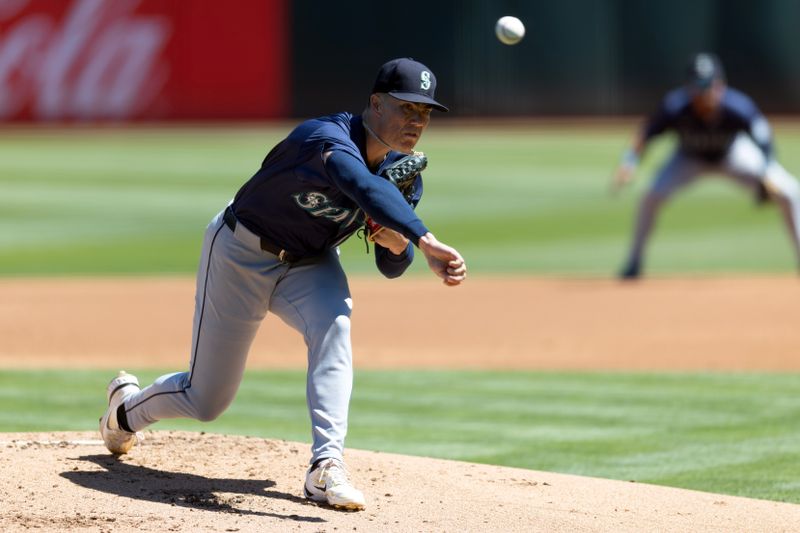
{"x":425,"y":80}
{"x":408,"y":80}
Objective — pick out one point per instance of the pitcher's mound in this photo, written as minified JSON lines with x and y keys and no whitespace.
{"x":180,"y":481}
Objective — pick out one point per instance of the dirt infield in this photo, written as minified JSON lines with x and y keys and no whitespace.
{"x":727,"y":323}
{"x":187,"y":482}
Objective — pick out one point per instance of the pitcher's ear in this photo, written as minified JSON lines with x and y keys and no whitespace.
{"x":376,"y":102}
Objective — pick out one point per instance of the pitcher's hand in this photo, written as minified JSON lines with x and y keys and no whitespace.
{"x":443,"y":260}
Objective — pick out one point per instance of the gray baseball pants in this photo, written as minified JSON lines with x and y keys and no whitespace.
{"x":237,"y":283}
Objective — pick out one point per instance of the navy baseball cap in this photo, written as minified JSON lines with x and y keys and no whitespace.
{"x":703,"y":70}
{"x":408,"y":80}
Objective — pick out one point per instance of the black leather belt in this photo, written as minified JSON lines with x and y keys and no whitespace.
{"x":283,"y":256}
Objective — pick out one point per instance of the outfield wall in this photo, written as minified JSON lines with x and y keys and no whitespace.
{"x":127,"y":60}
{"x":143,"y":59}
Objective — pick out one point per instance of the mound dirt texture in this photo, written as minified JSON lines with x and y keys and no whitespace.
{"x":191,"y":482}
{"x":177,"y":481}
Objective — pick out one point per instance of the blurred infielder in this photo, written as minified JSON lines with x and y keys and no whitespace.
{"x":275,"y":248}
{"x":720,"y":130}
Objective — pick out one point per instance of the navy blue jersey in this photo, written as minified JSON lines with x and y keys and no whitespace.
{"x":296,"y":203}
{"x":710,"y":140}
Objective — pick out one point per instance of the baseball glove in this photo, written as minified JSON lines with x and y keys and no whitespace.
{"x":402,"y":174}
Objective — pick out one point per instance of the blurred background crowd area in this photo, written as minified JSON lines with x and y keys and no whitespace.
{"x":154,"y":60}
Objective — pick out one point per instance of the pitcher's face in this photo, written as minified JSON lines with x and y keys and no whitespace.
{"x":400,"y":123}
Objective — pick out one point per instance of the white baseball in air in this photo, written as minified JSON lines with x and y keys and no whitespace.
{"x":509,"y":30}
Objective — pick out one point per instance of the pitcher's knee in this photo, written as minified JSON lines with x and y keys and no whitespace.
{"x":333,"y":333}
{"x":332,"y":325}
{"x":208,"y":408}
{"x":339,"y":327}
{"x":209,"y":415}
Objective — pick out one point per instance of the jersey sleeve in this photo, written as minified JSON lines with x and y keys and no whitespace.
{"x":391,"y":265}
{"x":374,"y":195}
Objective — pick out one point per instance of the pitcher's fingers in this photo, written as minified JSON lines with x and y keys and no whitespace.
{"x":457,"y":271}
{"x":456,"y":276}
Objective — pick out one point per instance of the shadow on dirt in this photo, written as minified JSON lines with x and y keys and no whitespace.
{"x":178,"y":488}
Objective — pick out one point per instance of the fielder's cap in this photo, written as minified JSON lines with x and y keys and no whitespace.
{"x":407,"y":80}
{"x":703,"y":70}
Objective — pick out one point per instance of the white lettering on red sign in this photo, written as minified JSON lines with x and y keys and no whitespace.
{"x":101,"y":60}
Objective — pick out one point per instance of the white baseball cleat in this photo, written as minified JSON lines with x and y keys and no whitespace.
{"x":329,"y":483}
{"x":118,"y":440}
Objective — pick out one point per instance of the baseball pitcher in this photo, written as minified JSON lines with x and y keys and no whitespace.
{"x":274,"y":248}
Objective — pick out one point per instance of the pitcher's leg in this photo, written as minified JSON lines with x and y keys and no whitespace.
{"x":315,"y":300}
{"x":234,"y":284}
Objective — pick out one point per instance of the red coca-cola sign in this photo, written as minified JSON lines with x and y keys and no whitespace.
{"x":143,"y":59}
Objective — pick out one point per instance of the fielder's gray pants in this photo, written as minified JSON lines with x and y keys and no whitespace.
{"x":237,"y":283}
{"x":744,"y":163}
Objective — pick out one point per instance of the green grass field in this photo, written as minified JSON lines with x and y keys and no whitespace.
{"x":526,"y":199}
{"x":728,"y":433}
{"x":521,"y":200}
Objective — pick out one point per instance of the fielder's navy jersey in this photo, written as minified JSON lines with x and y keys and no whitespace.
{"x":710,"y":140}
{"x":294,"y":202}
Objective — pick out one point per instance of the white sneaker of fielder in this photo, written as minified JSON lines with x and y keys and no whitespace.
{"x":329,"y":483}
{"x":118,"y":440}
